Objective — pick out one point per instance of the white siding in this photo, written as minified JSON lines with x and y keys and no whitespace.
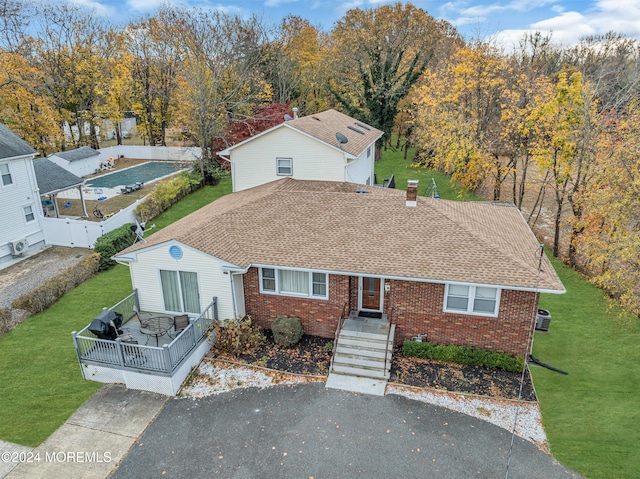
{"x":254,"y":163}
{"x":13,"y":198}
{"x":145,"y":276}
{"x":81,"y":168}
{"x":361,"y":169}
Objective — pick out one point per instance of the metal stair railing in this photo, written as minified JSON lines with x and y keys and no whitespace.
{"x":336,"y":336}
{"x":386,"y":349}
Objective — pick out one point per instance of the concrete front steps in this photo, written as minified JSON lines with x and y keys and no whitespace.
{"x":358,"y":362}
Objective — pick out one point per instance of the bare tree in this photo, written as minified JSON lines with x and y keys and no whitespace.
{"x":220,"y":74}
{"x":156,"y":59}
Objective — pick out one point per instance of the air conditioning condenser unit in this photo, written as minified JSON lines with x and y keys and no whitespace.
{"x":18,"y":246}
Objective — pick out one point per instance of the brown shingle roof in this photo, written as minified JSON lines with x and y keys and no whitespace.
{"x":328,"y":226}
{"x":325,"y":125}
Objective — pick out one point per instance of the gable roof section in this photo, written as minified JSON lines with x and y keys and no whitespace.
{"x":328,"y":226}
{"x":77,"y":154}
{"x":52,"y":178}
{"x":323,"y":127}
{"x":12,"y":146}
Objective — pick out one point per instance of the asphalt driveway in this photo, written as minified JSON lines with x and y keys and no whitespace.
{"x":311,"y":432}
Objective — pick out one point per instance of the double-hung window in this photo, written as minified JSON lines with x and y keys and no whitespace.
{"x":29,"y":215}
{"x":480,"y":300}
{"x":5,"y":174}
{"x":284,"y":166}
{"x":180,"y":291}
{"x":290,"y":282}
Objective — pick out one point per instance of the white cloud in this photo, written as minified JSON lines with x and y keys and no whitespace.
{"x":277,"y":3}
{"x":145,"y":5}
{"x":101,"y":10}
{"x":567,"y":21}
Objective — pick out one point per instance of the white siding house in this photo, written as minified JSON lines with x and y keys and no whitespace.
{"x":20,"y":208}
{"x":327,"y":146}
{"x":174,"y":278}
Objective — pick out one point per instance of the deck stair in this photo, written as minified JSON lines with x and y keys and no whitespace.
{"x":359,"y":358}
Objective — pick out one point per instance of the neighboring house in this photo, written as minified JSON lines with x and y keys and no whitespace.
{"x":81,"y":162}
{"x":465,"y":273}
{"x":325,"y":146}
{"x":20,"y":210}
{"x":53,"y":179}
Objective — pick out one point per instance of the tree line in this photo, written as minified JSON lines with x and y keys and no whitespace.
{"x":553,"y":129}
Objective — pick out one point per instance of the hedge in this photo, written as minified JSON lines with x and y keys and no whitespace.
{"x":168,"y":192}
{"x":112,"y":243}
{"x":45,"y":295}
{"x":463,"y":355}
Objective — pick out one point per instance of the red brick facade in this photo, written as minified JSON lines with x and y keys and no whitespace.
{"x":416,"y":308}
{"x":318,"y":317}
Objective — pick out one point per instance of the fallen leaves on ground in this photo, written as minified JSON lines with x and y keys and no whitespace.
{"x":312,"y":356}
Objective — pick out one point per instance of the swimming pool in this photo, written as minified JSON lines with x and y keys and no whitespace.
{"x":145,"y":172}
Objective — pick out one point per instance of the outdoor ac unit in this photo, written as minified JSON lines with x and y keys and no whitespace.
{"x":18,"y":246}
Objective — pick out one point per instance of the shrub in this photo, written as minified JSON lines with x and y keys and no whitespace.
{"x":286,"y":331}
{"x":237,"y":337}
{"x":463,"y":355}
{"x":112,"y":243}
{"x":45,"y":295}
{"x":168,"y":192}
{"x":5,"y":320}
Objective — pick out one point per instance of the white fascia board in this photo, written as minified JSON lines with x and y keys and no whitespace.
{"x":409,"y":278}
{"x":20,"y":157}
{"x":133,"y":255}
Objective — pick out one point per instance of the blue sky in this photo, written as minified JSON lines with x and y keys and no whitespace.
{"x":506,"y":21}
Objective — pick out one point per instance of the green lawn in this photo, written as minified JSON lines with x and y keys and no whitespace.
{"x":393,"y":162}
{"x":40,"y":380}
{"x":592,"y":416}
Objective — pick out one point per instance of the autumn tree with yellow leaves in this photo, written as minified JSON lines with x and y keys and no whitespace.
{"x":457,"y":115}
{"x":610,"y":239}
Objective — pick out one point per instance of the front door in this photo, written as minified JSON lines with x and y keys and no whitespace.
{"x":370,"y":294}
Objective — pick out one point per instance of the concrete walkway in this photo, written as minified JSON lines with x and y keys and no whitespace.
{"x":92,"y":442}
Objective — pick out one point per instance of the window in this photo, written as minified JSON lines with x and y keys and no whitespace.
{"x":29,"y":215}
{"x":319,"y":282}
{"x":290,"y":282}
{"x":479,"y":300}
{"x":369,"y":152}
{"x":180,"y":291}
{"x":269,"y":279}
{"x":284,"y":166}
{"x":5,"y":173}
{"x":293,"y":282}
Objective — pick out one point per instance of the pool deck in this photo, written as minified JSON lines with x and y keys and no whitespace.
{"x":96,"y":192}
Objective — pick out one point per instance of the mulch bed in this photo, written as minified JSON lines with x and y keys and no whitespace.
{"x":312,"y":355}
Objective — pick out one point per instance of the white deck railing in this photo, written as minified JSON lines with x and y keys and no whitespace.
{"x":162,"y":360}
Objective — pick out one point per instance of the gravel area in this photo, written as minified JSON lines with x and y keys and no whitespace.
{"x":33,"y":271}
{"x":215,"y":377}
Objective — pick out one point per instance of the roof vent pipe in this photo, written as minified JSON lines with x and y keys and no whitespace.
{"x":295,"y":112}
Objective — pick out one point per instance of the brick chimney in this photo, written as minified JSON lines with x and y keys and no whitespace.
{"x":412,"y":193}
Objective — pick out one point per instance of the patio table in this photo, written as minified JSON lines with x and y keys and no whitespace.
{"x":156,"y":326}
